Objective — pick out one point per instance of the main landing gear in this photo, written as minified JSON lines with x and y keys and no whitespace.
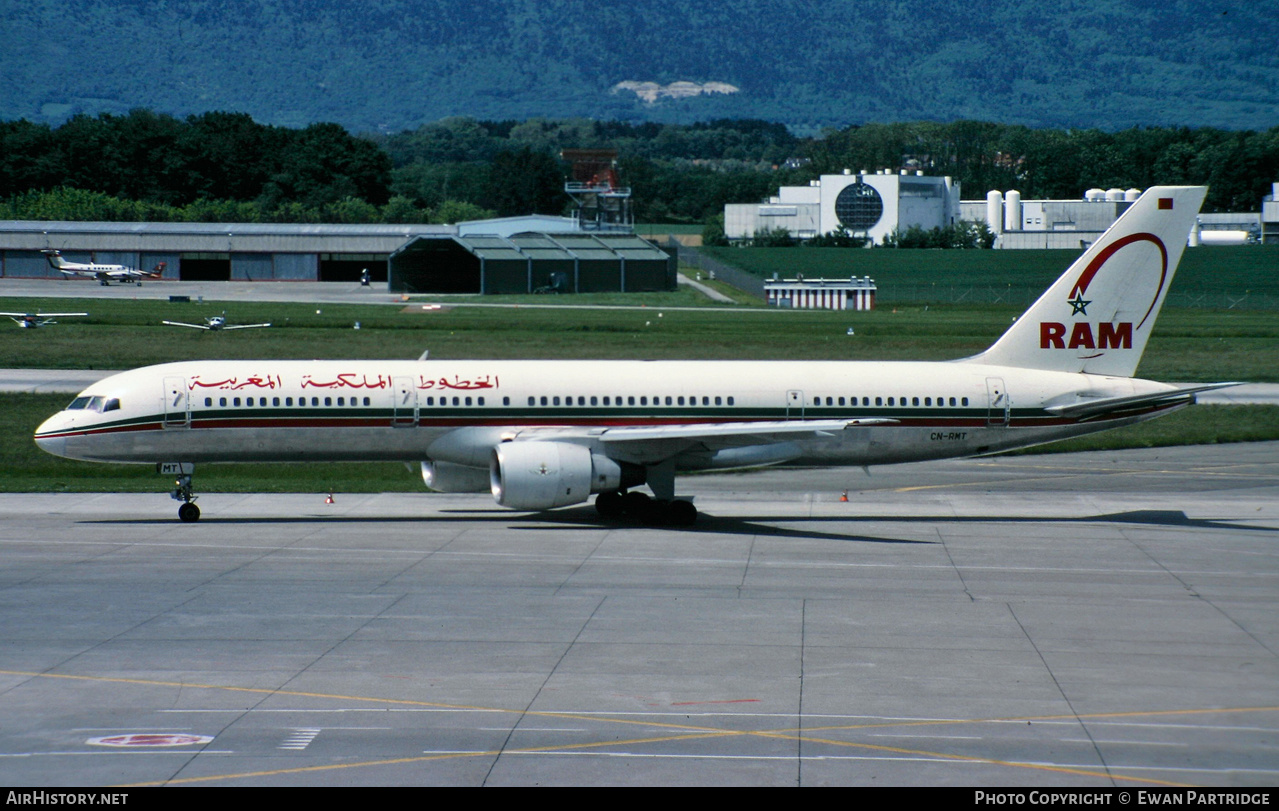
{"x":640,"y":507}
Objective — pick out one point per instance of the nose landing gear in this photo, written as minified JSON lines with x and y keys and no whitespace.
{"x":187,"y":512}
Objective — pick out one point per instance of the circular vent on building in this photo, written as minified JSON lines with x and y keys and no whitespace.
{"x":859,"y":207}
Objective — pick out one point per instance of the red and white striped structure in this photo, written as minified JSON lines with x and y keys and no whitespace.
{"x":822,"y":294}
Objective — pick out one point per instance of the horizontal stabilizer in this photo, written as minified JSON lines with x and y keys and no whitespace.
{"x":1115,"y":406}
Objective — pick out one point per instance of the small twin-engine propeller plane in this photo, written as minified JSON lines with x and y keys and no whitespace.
{"x":105,"y":274}
{"x":544,"y":434}
{"x":33,"y":320}
{"x":215,"y":323}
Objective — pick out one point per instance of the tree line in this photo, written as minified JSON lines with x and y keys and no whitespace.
{"x":222,"y":166}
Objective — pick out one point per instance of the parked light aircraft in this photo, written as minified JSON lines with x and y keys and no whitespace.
{"x":105,"y":274}
{"x":215,"y":323}
{"x":544,"y":434}
{"x":33,"y":320}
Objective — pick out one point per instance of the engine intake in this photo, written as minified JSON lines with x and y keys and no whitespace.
{"x":542,"y":475}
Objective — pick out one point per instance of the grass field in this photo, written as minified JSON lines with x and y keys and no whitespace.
{"x":1245,"y":276}
{"x":1189,"y":345}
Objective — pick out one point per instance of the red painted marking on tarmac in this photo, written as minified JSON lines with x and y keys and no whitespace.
{"x":151,"y":739}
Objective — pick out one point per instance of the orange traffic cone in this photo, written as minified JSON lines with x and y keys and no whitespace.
{"x":329,"y":499}
{"x":844,"y":496}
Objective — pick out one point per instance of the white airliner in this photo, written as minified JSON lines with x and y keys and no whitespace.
{"x":215,"y":323}
{"x":105,"y":274}
{"x":33,"y":320}
{"x":544,"y":434}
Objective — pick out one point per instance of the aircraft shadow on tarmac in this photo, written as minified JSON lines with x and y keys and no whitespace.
{"x":585,"y":518}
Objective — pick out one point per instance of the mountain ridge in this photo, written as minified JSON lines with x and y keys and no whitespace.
{"x":390,"y":65}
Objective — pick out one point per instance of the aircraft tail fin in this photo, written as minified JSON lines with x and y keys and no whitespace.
{"x":1097,"y":317}
{"x":55,"y":259}
{"x":157,"y":271}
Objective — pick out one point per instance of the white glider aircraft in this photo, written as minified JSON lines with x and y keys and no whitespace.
{"x":105,"y":274}
{"x":544,"y":434}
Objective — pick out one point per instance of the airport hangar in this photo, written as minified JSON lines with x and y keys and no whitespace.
{"x":508,"y":255}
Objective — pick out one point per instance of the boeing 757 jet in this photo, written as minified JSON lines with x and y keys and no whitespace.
{"x":544,"y":434}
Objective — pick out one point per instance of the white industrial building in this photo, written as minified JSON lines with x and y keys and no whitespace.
{"x":1075,"y":224}
{"x":821,"y":294}
{"x":863,"y":203}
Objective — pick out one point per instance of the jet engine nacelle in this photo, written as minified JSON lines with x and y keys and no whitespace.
{"x":541,"y":475}
{"x":446,"y":477}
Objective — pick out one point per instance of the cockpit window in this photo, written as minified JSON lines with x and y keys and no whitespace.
{"x":112,"y":405}
{"x":96,"y":404}
{"x":78,"y":403}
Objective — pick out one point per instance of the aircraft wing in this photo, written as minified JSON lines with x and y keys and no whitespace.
{"x":656,"y":442}
{"x":42,"y":315}
{"x":244,"y":326}
{"x":1112,"y":406}
{"x":180,"y":324}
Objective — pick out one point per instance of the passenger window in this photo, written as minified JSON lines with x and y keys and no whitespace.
{"x":605,"y":401}
{"x":468,"y":400}
{"x":543,"y":399}
{"x":668,"y":399}
{"x":730,"y":400}
{"x":366,"y":401}
{"x":841,"y":400}
{"x":879,"y":401}
{"x":643,"y":401}
{"x":928,"y":401}
{"x":208,"y":402}
{"x":481,"y":401}
{"x":630,"y":401}
{"x":328,"y":401}
{"x":681,"y":401}
{"x":315,"y":401}
{"x":581,"y":400}
{"x":952,"y":401}
{"x":890,"y":401}
{"x":236,"y":402}
{"x":288,"y":401}
{"x":717,"y":400}
{"x":595,"y":400}
{"x":964,"y":401}
{"x":275,"y":401}
{"x":555,"y":400}
{"x":341,"y":401}
{"x":248,"y":402}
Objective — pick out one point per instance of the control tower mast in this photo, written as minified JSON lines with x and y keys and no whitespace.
{"x":602,"y":204}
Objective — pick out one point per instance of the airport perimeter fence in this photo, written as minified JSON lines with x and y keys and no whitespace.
{"x":1023,"y":297}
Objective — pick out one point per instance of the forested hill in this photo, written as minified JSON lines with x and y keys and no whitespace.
{"x":391,"y":65}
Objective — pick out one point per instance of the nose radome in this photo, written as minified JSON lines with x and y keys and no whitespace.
{"x":56,"y":445}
